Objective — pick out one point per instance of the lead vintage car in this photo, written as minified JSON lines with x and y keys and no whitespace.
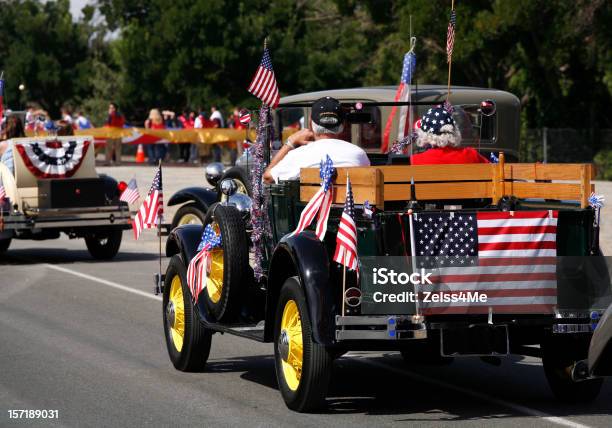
{"x":55,"y":189}
{"x":314,"y":311}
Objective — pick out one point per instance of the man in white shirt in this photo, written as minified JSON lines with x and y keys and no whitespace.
{"x":306,"y":148}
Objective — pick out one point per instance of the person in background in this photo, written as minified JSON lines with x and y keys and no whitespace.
{"x":113,"y":145}
{"x":155,"y":152}
{"x":64,"y":128}
{"x":171,"y":122}
{"x":217,"y":118}
{"x":13,"y":128}
{"x":82,"y":122}
{"x":441,"y":135}
{"x":201,"y":121}
{"x":66,"y":115}
{"x":234,"y":122}
{"x":186,"y":119}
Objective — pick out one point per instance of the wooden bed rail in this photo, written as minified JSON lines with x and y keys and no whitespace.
{"x":378,"y":184}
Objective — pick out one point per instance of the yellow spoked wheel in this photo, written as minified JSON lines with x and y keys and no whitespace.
{"x":189,"y":219}
{"x":214,"y":281}
{"x":291,"y":345}
{"x":303,"y":366}
{"x":176,"y":313}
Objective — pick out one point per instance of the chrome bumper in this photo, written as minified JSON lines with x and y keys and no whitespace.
{"x":390,"y":327}
{"x":68,"y":217}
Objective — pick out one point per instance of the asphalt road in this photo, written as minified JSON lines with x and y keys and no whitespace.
{"x":85,"y":338}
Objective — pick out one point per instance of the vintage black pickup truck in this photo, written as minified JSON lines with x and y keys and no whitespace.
{"x":542,"y":297}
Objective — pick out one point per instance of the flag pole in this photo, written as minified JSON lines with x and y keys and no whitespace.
{"x":344,"y":266}
{"x":450,"y":62}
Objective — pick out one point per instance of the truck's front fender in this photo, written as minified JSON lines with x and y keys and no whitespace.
{"x":303,"y":255}
{"x":184,"y":240}
{"x":201,"y":196}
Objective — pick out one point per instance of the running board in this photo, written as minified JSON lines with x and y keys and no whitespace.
{"x":248,"y":331}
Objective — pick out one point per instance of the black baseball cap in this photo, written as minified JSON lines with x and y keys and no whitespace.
{"x":327,"y":111}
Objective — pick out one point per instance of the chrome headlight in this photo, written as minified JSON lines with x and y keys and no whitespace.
{"x":214,"y":172}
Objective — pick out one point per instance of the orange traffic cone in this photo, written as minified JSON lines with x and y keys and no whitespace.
{"x":140,"y":155}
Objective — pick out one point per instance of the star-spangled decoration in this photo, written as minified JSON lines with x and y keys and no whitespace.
{"x":435,"y":119}
{"x":326,"y":172}
{"x":210,"y":239}
{"x":445,"y":239}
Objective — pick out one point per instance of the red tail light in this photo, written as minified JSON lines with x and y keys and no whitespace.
{"x":122,"y":185}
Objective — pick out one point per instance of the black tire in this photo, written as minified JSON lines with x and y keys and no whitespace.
{"x":558,"y":355}
{"x":241,"y":176}
{"x":235,"y":263}
{"x":5,"y":244}
{"x":188,"y":212}
{"x":104,"y":245}
{"x":317,"y":361}
{"x":196,"y":341}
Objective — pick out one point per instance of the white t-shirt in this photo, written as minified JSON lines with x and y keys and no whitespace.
{"x":341,"y":153}
{"x":217,"y":115}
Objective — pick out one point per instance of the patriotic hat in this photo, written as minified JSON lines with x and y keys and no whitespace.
{"x":438,"y":129}
{"x":327,"y":112}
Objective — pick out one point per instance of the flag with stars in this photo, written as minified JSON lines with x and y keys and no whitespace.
{"x":151,"y":211}
{"x":401,"y":95}
{"x":320,"y":203}
{"x":264,"y":85}
{"x":130,"y":194}
{"x":450,"y":36}
{"x":508,"y":256}
{"x":346,"y":239}
{"x":199,"y":266}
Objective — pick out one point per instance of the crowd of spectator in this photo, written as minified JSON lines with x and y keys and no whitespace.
{"x":39,"y":120}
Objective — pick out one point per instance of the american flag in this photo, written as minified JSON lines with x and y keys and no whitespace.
{"x":130,"y":194}
{"x":264,"y":84}
{"x":346,"y":240}
{"x":320,"y":202}
{"x":197,"y":271}
{"x":152,"y":209}
{"x":245,"y":117}
{"x":2,"y":193}
{"x":450,"y":36}
{"x":510,"y":257}
{"x":401,"y":95}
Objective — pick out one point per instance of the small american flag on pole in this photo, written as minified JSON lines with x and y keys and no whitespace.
{"x":130,"y":194}
{"x":264,"y":84}
{"x":450,"y":36}
{"x":151,"y":211}
{"x":346,"y":240}
{"x":197,"y":271}
{"x":320,"y":203}
{"x":510,"y":257}
{"x":2,"y":193}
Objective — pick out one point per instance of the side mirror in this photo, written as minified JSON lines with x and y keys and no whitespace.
{"x":213,"y":172}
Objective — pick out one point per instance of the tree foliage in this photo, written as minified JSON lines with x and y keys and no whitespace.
{"x":555,"y":55}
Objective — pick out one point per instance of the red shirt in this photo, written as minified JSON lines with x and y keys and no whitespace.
{"x":115,"y":120}
{"x":448,"y":155}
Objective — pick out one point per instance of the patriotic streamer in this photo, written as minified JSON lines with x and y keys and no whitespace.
{"x":259,"y":208}
{"x":320,"y":203}
{"x":52,"y":158}
{"x":197,"y":271}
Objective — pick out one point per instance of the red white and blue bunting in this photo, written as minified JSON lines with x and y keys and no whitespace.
{"x":52,"y":157}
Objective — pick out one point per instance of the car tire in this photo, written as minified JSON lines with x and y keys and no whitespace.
{"x":303,"y":379}
{"x":5,"y":244}
{"x":558,"y":356}
{"x":229,"y":271}
{"x":104,"y":245}
{"x":188,"y":214}
{"x":188,"y":341}
{"x":241,"y":177}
